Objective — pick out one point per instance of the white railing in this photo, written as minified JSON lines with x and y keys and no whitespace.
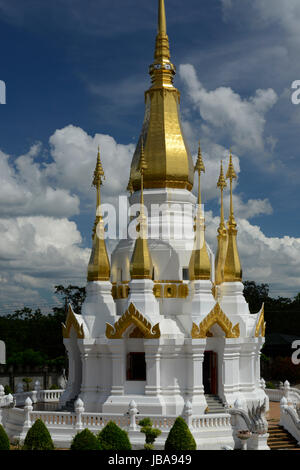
{"x":289,"y":419}
{"x":214,"y":421}
{"x":291,"y":394}
{"x":38,"y":396}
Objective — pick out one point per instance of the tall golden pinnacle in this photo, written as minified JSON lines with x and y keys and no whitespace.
{"x":141,"y":263}
{"x":222,"y":235}
{"x":232,"y":267}
{"x":199,"y":267}
{"x":169,"y":161}
{"x":99,"y":266}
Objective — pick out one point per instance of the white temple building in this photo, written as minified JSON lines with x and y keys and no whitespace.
{"x":165,"y":321}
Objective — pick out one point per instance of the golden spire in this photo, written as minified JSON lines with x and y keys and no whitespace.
{"x":199,"y":267}
{"x":232,"y":268}
{"x":141,"y":263}
{"x":168,"y":158}
{"x":98,"y":267}
{"x":222,"y":235}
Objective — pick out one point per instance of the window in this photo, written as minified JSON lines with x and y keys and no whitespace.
{"x":185,"y":274}
{"x":136,"y":366}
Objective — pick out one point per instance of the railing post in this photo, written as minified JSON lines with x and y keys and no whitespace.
{"x":27,"y":409}
{"x":286,"y":387}
{"x":188,"y":413}
{"x":79,"y":409}
{"x":133,"y":412}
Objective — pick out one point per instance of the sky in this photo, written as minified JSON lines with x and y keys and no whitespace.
{"x":75,"y":74}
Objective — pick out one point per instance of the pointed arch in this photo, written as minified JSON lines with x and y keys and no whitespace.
{"x":260,"y":328}
{"x":215,"y":316}
{"x":72,"y":320}
{"x":132,"y":317}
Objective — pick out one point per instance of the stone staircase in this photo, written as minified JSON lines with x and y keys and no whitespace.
{"x":214,"y":404}
{"x":279,"y":438}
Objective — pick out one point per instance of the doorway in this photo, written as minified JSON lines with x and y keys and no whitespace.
{"x":210,"y":371}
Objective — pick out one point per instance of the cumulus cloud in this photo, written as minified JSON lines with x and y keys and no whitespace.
{"x":74,"y":158}
{"x":25,"y":190}
{"x":38,"y":253}
{"x":224,"y":110}
{"x":271,"y":260}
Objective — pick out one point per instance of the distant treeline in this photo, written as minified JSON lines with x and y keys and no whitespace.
{"x":33,"y":338}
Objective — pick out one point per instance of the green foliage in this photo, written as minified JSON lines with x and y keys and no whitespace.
{"x":4,"y":441}
{"x":27,"y":381}
{"x":150,"y":433}
{"x":114,"y":438}
{"x":38,"y":437}
{"x":7,"y":390}
{"x":85,"y":440}
{"x":180,"y":437}
{"x":35,"y":339}
{"x":54,"y":387}
{"x":270,"y":385}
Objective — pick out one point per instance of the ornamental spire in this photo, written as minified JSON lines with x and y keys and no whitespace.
{"x":98,"y":267}
{"x":199,"y":267}
{"x":232,"y":268}
{"x":222,"y":235}
{"x":141,"y":263}
{"x":170,"y":164}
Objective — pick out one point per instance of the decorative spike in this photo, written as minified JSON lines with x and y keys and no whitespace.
{"x":199,"y":267}
{"x":199,"y":163}
{"x":232,"y":267}
{"x":142,"y":165}
{"x":99,"y":266}
{"x":162,"y":23}
{"x":230,"y":172}
{"x":222,"y":235}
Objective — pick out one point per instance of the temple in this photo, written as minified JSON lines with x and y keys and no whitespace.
{"x":165,"y":321}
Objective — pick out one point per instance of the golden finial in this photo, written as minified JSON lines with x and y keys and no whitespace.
{"x":98,"y":173}
{"x":141,"y":263}
{"x":232,"y":267}
{"x":99,"y":266}
{"x":222,"y":235}
{"x":199,"y":267}
{"x":130,"y":186}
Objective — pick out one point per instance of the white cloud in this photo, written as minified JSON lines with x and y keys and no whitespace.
{"x":271,"y":260}
{"x":223,"y":110}
{"x":24,"y":190}
{"x":74,"y":153}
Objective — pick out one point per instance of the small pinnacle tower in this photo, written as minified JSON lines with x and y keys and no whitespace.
{"x":222,"y":235}
{"x":99,"y":267}
{"x":232,"y":268}
{"x":199,"y":267}
{"x":141,"y":264}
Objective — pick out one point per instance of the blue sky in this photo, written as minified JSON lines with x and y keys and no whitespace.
{"x":76,"y":72}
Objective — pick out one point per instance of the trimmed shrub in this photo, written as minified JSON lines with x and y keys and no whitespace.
{"x":113,"y":438}
{"x":180,"y":437}
{"x":4,"y":441}
{"x":38,"y":437}
{"x":150,"y":433}
{"x":85,"y":440}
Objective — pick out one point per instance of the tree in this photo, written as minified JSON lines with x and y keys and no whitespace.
{"x":255,"y":295}
{"x":4,"y":441}
{"x":180,"y":437}
{"x":85,"y":440}
{"x":150,"y":433}
{"x":38,"y":437}
{"x":114,"y":438}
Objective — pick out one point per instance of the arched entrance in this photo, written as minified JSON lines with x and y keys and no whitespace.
{"x":210,"y":373}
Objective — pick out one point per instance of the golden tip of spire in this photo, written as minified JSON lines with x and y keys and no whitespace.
{"x":98,"y":173}
{"x":231,"y":174}
{"x":221,"y":181}
{"x":199,"y":163}
{"x":142,"y":165}
{"x":162,"y":23}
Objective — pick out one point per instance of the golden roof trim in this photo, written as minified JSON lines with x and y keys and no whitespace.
{"x":132,"y":317}
{"x":260,"y":328}
{"x":216,"y":315}
{"x":72,"y":321}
